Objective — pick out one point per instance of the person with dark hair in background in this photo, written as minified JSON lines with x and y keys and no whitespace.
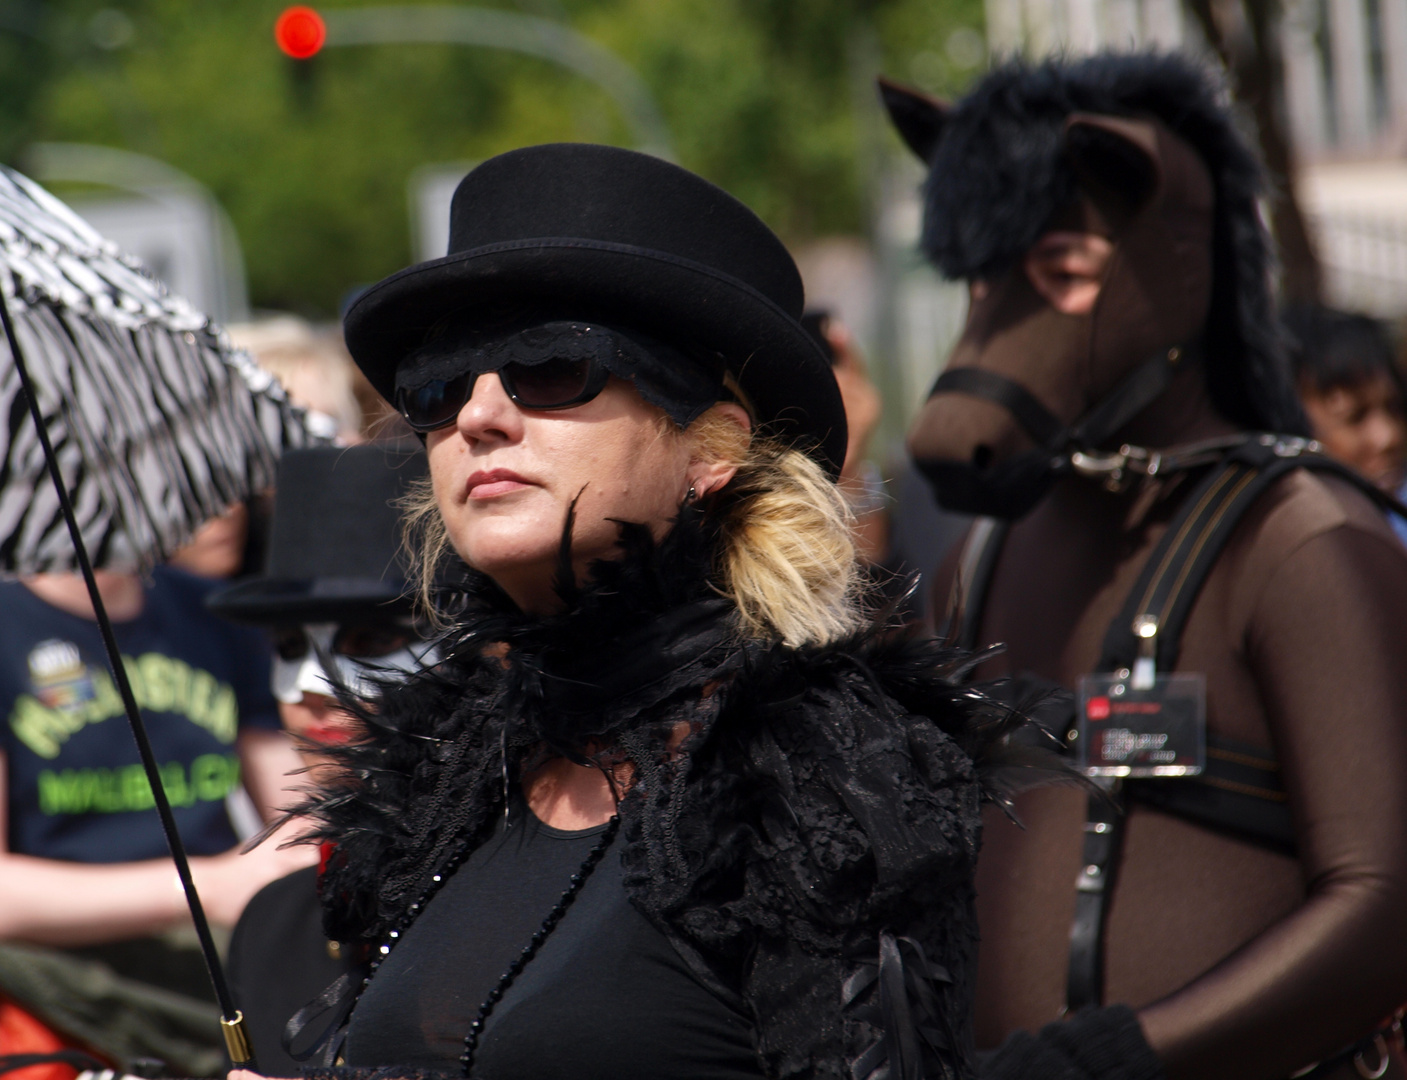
{"x":1353,"y":391}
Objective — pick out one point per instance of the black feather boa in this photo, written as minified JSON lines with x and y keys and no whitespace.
{"x":798,"y":817}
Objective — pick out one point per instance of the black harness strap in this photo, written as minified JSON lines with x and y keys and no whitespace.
{"x":1094,"y":887}
{"x":1240,"y":793}
{"x":1173,"y":575}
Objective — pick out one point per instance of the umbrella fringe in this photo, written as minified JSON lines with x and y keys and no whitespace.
{"x":163,"y":424}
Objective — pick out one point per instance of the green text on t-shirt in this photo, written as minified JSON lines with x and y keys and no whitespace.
{"x":159,"y":683}
{"x":113,"y":791}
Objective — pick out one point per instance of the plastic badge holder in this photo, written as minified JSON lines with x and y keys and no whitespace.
{"x":1127,"y":727}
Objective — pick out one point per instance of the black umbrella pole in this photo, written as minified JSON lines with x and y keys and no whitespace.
{"x":231,"y":1019}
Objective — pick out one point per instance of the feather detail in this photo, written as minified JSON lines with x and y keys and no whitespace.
{"x":786,"y":805}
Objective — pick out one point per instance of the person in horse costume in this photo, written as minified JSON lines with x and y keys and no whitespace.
{"x":1121,"y":355}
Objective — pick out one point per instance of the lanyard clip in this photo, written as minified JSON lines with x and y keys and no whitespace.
{"x":1145,"y":668}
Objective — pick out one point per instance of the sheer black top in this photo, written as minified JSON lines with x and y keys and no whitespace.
{"x":606,"y":996}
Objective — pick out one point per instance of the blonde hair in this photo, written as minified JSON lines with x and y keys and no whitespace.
{"x":787,"y":554}
{"x":786,"y":557}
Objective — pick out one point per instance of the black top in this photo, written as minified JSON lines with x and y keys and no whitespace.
{"x":279,"y":961}
{"x":607,"y":995}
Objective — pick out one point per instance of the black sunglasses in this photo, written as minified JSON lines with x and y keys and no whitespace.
{"x":553,"y":384}
{"x":358,"y":642}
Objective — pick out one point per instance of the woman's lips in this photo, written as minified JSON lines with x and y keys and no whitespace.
{"x":494,"y":482}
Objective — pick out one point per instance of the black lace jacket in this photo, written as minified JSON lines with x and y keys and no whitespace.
{"x":803,"y":823}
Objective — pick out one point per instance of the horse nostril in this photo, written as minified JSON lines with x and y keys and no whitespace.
{"x":982,"y":456}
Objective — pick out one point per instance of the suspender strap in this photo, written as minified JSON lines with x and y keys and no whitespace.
{"x":1103,"y":841}
{"x":1175,"y":571}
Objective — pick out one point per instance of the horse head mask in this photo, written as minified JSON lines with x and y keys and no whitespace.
{"x":1097,"y":241}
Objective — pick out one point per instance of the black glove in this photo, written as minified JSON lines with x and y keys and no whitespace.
{"x":1094,"y":1044}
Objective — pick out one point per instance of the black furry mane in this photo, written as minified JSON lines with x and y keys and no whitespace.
{"x":999,"y":176}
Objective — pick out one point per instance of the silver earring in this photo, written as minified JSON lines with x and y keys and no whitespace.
{"x":693,"y":495}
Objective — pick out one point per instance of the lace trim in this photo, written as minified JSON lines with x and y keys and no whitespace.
{"x":682,"y":384}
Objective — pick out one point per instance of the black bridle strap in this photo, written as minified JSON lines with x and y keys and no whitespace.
{"x":1038,"y":421}
{"x":1139,"y":389}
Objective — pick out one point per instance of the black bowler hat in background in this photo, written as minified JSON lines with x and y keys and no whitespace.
{"x":335,"y":547}
{"x":599,"y":233}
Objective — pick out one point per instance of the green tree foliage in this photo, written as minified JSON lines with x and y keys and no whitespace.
{"x":32,"y":42}
{"x":770,"y":98}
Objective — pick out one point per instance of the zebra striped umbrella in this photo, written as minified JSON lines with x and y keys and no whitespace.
{"x":157,"y":422}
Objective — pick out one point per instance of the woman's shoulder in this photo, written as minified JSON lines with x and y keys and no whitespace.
{"x":872,"y":748}
{"x":892,"y":694}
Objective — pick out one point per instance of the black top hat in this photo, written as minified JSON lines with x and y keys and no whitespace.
{"x":596,"y":232}
{"x":335,"y":550}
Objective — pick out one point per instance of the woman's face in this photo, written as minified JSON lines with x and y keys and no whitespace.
{"x":505,"y":477}
{"x":1364,"y":425}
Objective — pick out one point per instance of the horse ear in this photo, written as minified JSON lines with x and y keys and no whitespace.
{"x":1117,"y":159}
{"x":919,"y":117}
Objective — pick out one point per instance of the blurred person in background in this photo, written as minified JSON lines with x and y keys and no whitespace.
{"x":900,"y":530}
{"x":860,"y":481}
{"x":1353,"y":392}
{"x":217,"y":550}
{"x":313,"y":368}
{"x":84,"y":866}
{"x":335,"y":593}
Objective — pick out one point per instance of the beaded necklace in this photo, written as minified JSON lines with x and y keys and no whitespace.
{"x":530,"y":950}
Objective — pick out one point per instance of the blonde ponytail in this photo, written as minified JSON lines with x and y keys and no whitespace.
{"x":787,"y":555}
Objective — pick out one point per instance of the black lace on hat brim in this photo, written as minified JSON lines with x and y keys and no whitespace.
{"x":684,"y":384}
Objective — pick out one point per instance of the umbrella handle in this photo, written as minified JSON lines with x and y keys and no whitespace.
{"x":231,"y":1019}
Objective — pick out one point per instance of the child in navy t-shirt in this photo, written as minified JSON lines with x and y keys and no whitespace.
{"x":75,"y":786}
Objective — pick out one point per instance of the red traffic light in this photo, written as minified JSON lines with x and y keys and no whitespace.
{"x":300,"y":32}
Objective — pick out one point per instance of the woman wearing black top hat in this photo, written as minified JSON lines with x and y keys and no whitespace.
{"x":670,"y":806}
